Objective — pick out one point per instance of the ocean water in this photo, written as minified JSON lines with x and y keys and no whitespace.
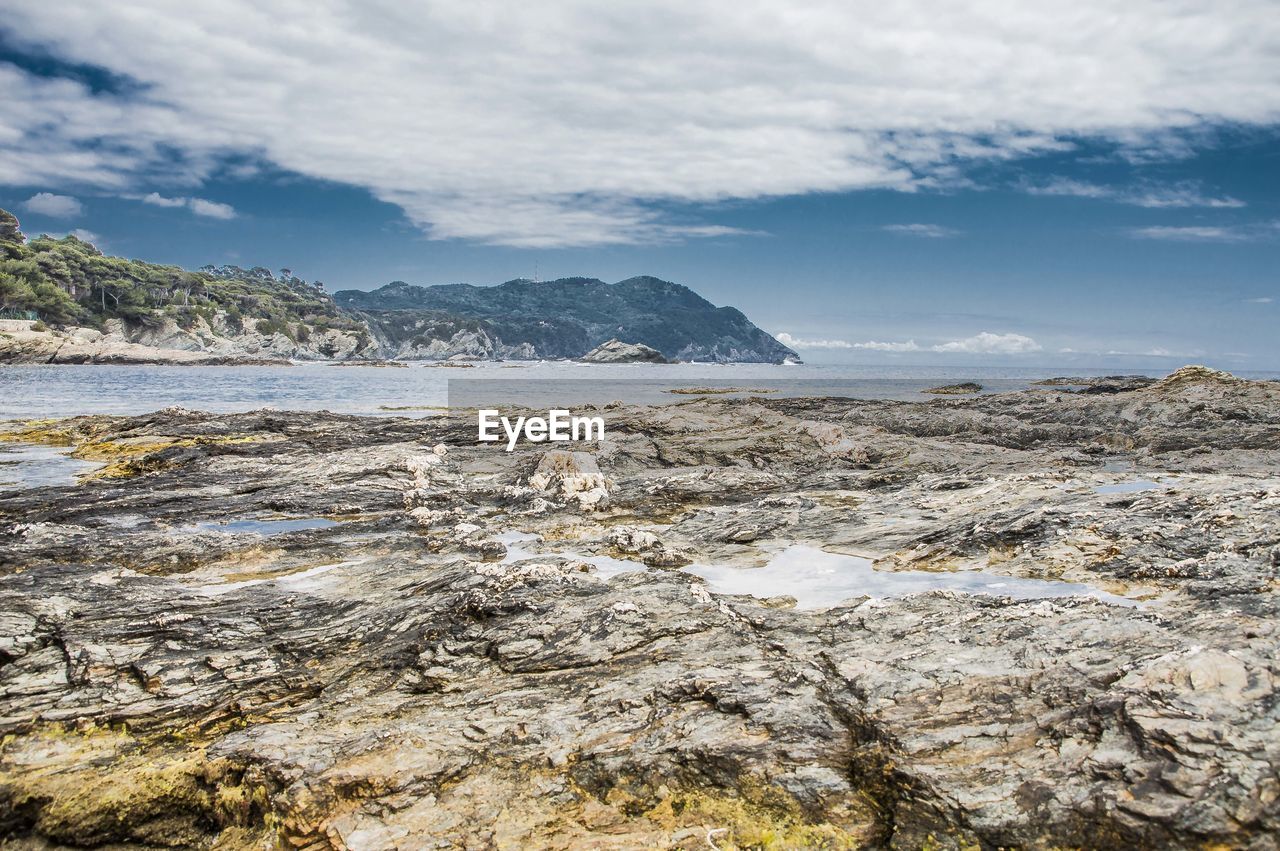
{"x":421,"y":390}
{"x":26,"y":466}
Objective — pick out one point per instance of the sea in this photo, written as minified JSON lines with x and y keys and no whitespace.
{"x":423,"y":389}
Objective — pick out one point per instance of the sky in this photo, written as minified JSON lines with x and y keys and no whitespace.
{"x":996,"y":182}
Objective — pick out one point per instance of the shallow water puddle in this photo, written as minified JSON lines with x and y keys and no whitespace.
{"x":1130,"y":487}
{"x":819,"y":579}
{"x":24,"y":465}
{"x":264,"y":528}
{"x":292,"y":581}
{"x":606,"y":566}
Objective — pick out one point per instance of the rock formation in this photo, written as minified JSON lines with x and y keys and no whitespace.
{"x":175,"y":671}
{"x":966,"y":388}
{"x":21,"y":342}
{"x":615,"y":351}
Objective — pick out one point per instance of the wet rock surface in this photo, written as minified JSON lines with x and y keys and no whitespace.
{"x":407,"y":677}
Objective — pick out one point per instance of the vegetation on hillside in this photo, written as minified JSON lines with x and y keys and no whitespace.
{"x":68,"y":281}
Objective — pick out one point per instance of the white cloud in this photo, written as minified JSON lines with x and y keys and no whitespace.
{"x":1070,"y":188}
{"x":155,"y":199}
{"x":1266,"y":299}
{"x":876,"y":346}
{"x":1157,"y":352}
{"x":211,"y":209}
{"x":1153,"y":196}
{"x":57,"y":206}
{"x":927,"y":231}
{"x":199,"y":206}
{"x":80,"y":234}
{"x":795,"y":343}
{"x":1182,"y":195}
{"x":575,"y":123}
{"x":991,"y":344}
{"x":872,"y":345}
{"x":982,"y":343}
{"x":1194,"y":233}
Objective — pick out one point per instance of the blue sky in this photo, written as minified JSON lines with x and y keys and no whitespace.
{"x":1110,"y":198}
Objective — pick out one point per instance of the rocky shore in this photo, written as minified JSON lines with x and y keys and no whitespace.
{"x":307,"y":630}
{"x":25,"y":342}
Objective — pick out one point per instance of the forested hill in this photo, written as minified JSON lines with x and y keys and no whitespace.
{"x":68,"y":281}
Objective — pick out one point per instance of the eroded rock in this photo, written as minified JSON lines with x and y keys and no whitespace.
{"x":398,"y":676}
{"x":571,"y":474}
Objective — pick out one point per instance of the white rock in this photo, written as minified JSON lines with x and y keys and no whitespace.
{"x":631,"y":540}
{"x":576,"y":475}
{"x":832,"y":440}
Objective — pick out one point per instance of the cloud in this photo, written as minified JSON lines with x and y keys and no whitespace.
{"x":1157,"y":352}
{"x":1266,"y":299}
{"x":982,"y":343}
{"x":80,"y":234}
{"x":155,"y":199}
{"x":1194,"y":233}
{"x":199,"y":206}
{"x":56,"y":206}
{"x":876,"y":346}
{"x":211,"y":209}
{"x":1152,"y":196}
{"x":927,"y":231}
{"x":793,"y":342}
{"x":1182,"y":195}
{"x":1067,"y":187}
{"x":991,"y":344}
{"x":583,"y":124}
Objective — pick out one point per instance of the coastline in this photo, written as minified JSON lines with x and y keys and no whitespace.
{"x":479,"y":645}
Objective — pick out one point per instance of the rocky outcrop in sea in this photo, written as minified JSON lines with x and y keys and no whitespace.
{"x":616,"y":351}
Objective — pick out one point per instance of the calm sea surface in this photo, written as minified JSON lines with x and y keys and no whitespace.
{"x":57,"y":391}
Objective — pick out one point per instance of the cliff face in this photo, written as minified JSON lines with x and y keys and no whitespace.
{"x":220,"y":337}
{"x":565,"y":318}
{"x":22,"y":341}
